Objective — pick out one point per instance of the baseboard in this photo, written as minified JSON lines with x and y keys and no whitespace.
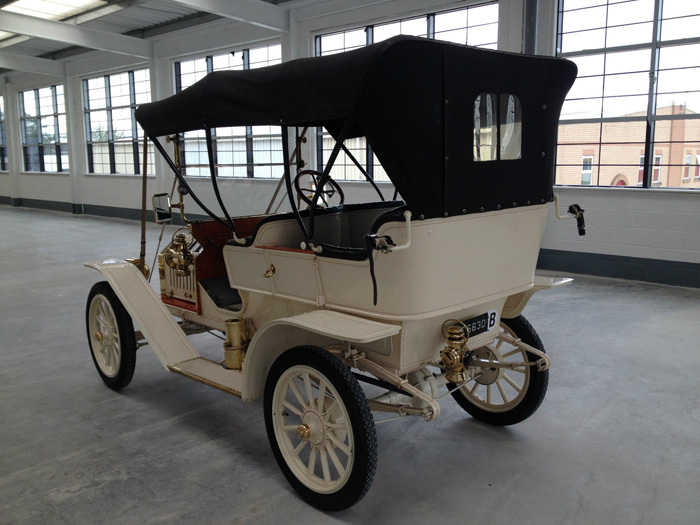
{"x":675,"y":273}
{"x":41,"y":204}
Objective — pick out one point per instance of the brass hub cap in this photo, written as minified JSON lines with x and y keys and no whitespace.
{"x":99,"y":336}
{"x":316,"y":429}
{"x":303,"y":432}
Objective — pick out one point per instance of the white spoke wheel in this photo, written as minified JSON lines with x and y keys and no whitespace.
{"x":500,"y":396}
{"x":110,"y":332}
{"x":320,"y":428}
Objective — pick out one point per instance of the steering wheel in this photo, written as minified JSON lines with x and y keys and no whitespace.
{"x":306,"y":182}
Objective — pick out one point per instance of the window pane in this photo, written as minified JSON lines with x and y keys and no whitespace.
{"x":590,"y":65}
{"x":630,"y":12}
{"x":481,"y":35}
{"x":119,"y":90}
{"x":122,"y":122}
{"x":386,"y":31}
{"x":100,"y":158}
{"x":677,"y":28}
{"x":49,"y":158}
{"x":28,"y":105}
{"x":510,"y":127}
{"x":124,"y":157}
{"x":48,"y":130}
{"x":485,"y":141}
{"x":625,"y":106}
{"x":449,"y":21}
{"x":97,"y":94}
{"x":628,"y":35}
{"x":679,"y":56}
{"x":628,"y":61}
{"x":487,"y":14}
{"x":676,"y":8}
{"x":99,"y":127}
{"x":142,"y":86}
{"x":584,"y":19}
{"x":30,"y":131}
{"x":46,"y":101}
{"x":592,"y":39}
{"x":227,"y":61}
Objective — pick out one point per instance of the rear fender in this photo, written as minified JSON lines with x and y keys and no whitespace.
{"x":515,"y":304}
{"x":317,"y":328}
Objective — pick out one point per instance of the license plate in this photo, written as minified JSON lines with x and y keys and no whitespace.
{"x":481,"y":323}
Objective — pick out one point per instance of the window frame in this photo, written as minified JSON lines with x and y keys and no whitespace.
{"x":652,"y":118}
{"x":60,"y":148}
{"x":112,"y":142}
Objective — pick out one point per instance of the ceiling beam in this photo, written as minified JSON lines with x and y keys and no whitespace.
{"x":253,"y":12}
{"x":74,"y":35}
{"x":32,"y":64}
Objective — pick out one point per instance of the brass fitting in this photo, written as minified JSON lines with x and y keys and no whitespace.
{"x":178,"y":256}
{"x":453,"y":354}
{"x":236,"y":343}
{"x":136,"y":261}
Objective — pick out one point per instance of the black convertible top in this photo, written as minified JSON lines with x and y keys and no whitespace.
{"x":414,"y":99}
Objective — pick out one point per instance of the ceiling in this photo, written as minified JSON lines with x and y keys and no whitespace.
{"x":77,"y":26}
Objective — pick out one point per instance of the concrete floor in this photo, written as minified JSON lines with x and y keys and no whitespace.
{"x":615,"y":441}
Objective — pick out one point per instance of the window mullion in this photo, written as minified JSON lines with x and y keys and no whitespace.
{"x":651,"y":105}
{"x":110,"y":128}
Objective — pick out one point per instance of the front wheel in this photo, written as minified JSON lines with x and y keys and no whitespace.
{"x":320,"y":428}
{"x":498,"y":396}
{"x":110,"y":332}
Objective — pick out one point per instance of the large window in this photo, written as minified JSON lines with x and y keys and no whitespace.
{"x":476,"y":26}
{"x":43,"y":127}
{"x":112,"y":133}
{"x":245,"y":151}
{"x":635,"y":105}
{"x":3,"y":140}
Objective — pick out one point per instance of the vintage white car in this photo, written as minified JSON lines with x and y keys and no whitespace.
{"x":420,"y":296}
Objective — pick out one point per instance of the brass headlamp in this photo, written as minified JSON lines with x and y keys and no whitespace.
{"x":178,"y":256}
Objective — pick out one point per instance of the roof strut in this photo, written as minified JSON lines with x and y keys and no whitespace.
{"x":184,"y":184}
{"x":212,"y":170}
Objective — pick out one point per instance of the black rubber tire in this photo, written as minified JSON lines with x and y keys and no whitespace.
{"x":364,"y":455}
{"x":126,"y":360}
{"x":536,"y":387}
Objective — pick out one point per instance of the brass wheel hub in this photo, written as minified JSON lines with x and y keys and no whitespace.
{"x":99,"y":337}
{"x":312,"y":428}
{"x":304,"y":432}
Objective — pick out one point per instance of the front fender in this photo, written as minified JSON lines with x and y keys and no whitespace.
{"x":157,"y":324}
{"x":317,"y":328}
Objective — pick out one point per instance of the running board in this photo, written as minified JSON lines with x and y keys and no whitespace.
{"x":211,"y":374}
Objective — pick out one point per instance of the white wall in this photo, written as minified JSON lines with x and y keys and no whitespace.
{"x":629,"y":222}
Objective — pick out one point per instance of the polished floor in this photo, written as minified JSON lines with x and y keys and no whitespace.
{"x":615,"y":441}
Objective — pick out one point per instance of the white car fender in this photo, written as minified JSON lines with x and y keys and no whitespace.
{"x":157,"y":324}
{"x":318,"y":328}
{"x":515,"y":304}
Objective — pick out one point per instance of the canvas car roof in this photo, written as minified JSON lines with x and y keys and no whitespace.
{"x":413,"y":99}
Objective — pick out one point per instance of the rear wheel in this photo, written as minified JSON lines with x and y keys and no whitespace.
{"x":320,"y":428}
{"x":110,"y":332}
{"x":501,"y":397}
